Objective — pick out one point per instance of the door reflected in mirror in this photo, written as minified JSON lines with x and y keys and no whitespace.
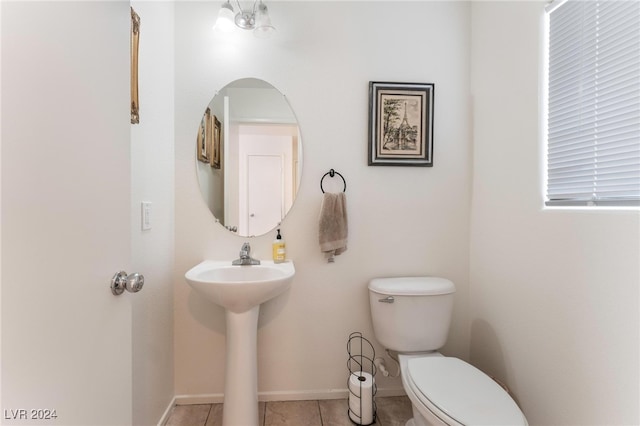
{"x":249,"y":157}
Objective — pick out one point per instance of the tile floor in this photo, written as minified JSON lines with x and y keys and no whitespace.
{"x":392,"y":411}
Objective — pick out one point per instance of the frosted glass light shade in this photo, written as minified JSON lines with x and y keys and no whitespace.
{"x":225,"y":21}
{"x":264,"y":28}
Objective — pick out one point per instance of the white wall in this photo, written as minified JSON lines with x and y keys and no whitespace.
{"x":403,"y":220}
{"x":554,"y":293}
{"x":152,"y":179}
{"x":257,"y":104}
{"x":211,"y":183}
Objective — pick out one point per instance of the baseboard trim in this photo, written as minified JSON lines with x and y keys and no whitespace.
{"x":167,"y":412}
{"x":216,"y":398}
{"x":208,"y":398}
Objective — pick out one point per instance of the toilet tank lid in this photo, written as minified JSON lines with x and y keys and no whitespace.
{"x":412,"y":286}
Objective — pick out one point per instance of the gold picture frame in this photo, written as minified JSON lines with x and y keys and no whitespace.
{"x":135,"y":41}
{"x":203,"y":144}
{"x":217,"y":134}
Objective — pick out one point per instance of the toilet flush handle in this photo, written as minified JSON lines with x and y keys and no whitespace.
{"x":388,"y":299}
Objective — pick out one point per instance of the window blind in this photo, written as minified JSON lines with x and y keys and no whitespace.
{"x":594,"y":103}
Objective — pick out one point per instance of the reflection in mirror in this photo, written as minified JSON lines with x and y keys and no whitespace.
{"x":249,"y":157}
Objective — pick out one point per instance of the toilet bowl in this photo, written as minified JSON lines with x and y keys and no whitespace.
{"x":411,"y":316}
{"x":449,"y":391}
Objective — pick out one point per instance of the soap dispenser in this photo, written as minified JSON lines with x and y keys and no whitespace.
{"x":279,"y":253}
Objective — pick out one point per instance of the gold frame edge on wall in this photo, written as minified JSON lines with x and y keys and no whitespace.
{"x":204,"y":143}
{"x":135,"y":41}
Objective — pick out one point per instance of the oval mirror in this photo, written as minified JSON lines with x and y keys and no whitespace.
{"x":249,"y":157}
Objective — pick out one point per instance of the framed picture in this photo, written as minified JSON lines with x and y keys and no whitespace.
{"x":217,"y":134}
{"x":204,"y":138}
{"x":135,"y":41}
{"x":400,"y":124}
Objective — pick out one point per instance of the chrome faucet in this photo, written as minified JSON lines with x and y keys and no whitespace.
{"x":245,"y":256}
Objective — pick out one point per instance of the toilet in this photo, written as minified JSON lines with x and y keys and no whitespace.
{"x":411,"y":316}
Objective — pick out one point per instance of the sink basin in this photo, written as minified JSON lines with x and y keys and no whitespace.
{"x":240,"y":288}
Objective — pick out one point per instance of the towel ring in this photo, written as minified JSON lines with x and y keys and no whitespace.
{"x":332,"y":173}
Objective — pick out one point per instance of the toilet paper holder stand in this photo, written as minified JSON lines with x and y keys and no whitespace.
{"x":361,"y":355}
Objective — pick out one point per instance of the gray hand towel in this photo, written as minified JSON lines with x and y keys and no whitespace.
{"x":333,"y":229}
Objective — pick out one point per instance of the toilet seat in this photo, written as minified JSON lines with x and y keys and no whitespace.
{"x":458,"y":393}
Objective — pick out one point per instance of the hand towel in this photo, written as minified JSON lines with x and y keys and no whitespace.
{"x":333,"y":229}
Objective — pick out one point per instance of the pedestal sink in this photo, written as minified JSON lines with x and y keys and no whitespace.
{"x":240,"y":290}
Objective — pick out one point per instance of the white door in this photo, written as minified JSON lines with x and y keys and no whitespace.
{"x":66,"y":340}
{"x":264,"y":192}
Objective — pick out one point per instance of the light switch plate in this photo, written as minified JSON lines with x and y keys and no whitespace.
{"x":146,"y":215}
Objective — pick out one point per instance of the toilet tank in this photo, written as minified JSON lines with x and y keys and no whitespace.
{"x":411,"y":314}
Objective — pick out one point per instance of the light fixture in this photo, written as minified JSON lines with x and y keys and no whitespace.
{"x":256,"y":19}
{"x":224,"y":22}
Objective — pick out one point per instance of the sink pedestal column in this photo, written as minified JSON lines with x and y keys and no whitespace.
{"x":241,"y":373}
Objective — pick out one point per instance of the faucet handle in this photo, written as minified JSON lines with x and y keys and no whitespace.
{"x":245,"y":256}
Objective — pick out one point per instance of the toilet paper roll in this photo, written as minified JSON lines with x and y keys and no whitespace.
{"x":361,"y":397}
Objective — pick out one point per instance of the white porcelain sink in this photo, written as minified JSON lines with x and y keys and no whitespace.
{"x":240,"y":288}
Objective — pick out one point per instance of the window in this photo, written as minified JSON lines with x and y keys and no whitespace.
{"x":594,"y":103}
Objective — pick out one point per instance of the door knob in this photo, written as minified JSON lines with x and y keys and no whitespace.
{"x":121,"y":281}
